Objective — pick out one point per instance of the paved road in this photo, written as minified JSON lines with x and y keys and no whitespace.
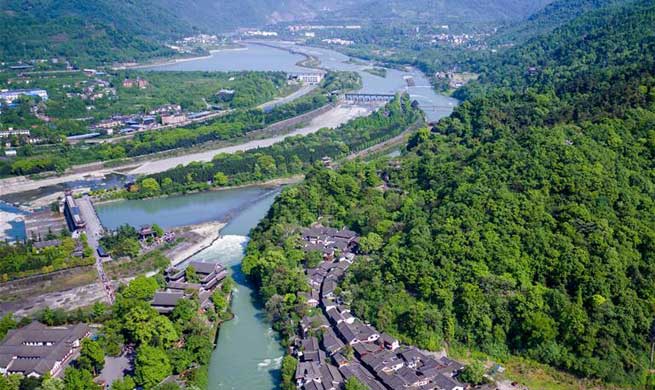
{"x":94,"y":231}
{"x":286,"y":99}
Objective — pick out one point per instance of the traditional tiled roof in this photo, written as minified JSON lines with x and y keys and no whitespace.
{"x":331,"y":342}
{"x":36,"y":348}
{"x":205,"y":268}
{"x":166,"y":298}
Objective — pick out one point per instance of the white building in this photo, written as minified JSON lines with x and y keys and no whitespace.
{"x":11,"y":96}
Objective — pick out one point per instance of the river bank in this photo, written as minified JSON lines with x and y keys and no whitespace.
{"x":163,"y":62}
{"x":330,"y":119}
{"x":273,"y":183}
{"x":194,"y":239}
{"x":155,"y":163}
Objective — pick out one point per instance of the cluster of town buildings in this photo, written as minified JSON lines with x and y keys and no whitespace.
{"x":455,"y":80}
{"x":168,"y":115}
{"x":209,"y":277}
{"x":15,"y":137}
{"x":259,"y":33}
{"x":309,"y":78}
{"x":310,"y":27}
{"x":37,"y":350}
{"x":136,"y":83}
{"x":453,"y":39}
{"x":348,"y":347}
{"x":338,"y":41}
{"x":93,"y":90}
{"x":195,"y":42}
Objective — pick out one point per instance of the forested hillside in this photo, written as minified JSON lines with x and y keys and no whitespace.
{"x":554,"y":15}
{"x":92,"y":31}
{"x":522,"y":224}
{"x":443,"y":10}
{"x":229,"y":15}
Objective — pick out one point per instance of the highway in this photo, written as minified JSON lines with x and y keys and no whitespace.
{"x":94,"y":231}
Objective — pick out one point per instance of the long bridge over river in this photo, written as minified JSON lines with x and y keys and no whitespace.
{"x":363,"y":98}
{"x":368,"y":97}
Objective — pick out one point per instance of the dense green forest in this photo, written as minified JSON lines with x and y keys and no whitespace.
{"x":292,"y":156}
{"x":87,"y":32}
{"x":522,"y":224}
{"x":553,"y":15}
{"x":443,"y":11}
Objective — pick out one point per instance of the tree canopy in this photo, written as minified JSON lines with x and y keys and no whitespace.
{"x":524,"y":223}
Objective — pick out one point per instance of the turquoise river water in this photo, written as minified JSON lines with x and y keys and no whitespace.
{"x":248,"y":355}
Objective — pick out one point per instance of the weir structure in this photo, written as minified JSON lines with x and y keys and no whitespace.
{"x":368,"y":97}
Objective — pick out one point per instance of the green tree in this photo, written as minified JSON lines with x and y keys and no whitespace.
{"x":92,"y":356}
{"x":6,"y":324}
{"x":150,"y":186}
{"x":473,"y":373}
{"x":158,"y":230}
{"x":185,"y":310}
{"x":30,"y":383}
{"x":152,"y":366}
{"x":354,"y":384}
{"x":181,"y":359}
{"x":372,"y":242}
{"x":220,"y":179}
{"x":98,"y":310}
{"x":10,"y":382}
{"x":219,"y":301}
{"x":127,"y":383}
{"x":289,"y":364}
{"x":79,"y":379}
{"x":227,"y":285}
{"x":142,"y":287}
{"x":50,"y":383}
{"x":191,"y":275}
{"x":313,"y":259}
{"x":139,"y":323}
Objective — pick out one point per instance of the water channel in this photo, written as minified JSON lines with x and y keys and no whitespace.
{"x":248,"y":354}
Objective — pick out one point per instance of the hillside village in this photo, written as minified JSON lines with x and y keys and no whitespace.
{"x":333,"y":345}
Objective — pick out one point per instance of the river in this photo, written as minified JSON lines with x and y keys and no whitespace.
{"x":258,"y":57}
{"x":248,"y":354}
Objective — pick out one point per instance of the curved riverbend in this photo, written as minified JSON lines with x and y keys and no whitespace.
{"x":281,"y":56}
{"x":248,"y":353}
